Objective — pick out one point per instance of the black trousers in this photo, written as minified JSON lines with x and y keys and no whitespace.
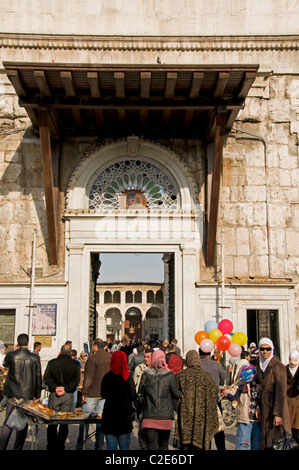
{"x":157,"y":439}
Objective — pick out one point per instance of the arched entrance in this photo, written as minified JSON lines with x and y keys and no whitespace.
{"x":153,"y":324}
{"x":132,"y":327}
{"x":113,"y":325}
{"x":128,"y":198}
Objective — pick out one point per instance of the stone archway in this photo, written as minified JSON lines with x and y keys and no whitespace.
{"x":113,"y":324}
{"x":177,"y":230}
{"x":133,"y":323}
{"x":153,"y":323}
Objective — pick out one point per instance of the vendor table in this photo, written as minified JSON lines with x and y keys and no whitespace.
{"x":35,"y":420}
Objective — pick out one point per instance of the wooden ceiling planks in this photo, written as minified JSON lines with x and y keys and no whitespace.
{"x":167,"y":89}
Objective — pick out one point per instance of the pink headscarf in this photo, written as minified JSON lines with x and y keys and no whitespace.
{"x":159,"y":360}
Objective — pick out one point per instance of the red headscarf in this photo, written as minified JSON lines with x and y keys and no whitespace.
{"x":119,"y":364}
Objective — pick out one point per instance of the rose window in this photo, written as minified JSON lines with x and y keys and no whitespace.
{"x":133,"y":184}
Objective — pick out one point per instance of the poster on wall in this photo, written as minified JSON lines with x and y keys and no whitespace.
{"x":44,"y":320}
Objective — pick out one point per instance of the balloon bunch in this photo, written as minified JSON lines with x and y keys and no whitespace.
{"x":221,"y":338}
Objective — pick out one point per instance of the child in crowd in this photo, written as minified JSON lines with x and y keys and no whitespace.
{"x":248,"y":436}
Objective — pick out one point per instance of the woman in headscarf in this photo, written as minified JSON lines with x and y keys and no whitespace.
{"x":198,"y":415}
{"x":271,"y":375}
{"x":118,"y":389}
{"x":159,"y":394}
{"x":293,"y":392}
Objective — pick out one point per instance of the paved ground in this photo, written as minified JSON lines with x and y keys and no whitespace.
{"x":73,"y":434}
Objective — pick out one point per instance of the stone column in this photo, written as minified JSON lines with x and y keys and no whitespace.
{"x":77,"y":312}
{"x":166,"y":297}
{"x":190,"y":316}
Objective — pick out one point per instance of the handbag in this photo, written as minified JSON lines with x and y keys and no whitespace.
{"x":286,"y":442}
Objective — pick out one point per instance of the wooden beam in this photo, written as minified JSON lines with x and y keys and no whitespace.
{"x":145,"y":85}
{"x":188,"y":118}
{"x":50,"y":194}
{"x":170,"y":84}
{"x":77,"y":117}
{"x":153,"y":104}
{"x":196,"y":84}
{"x":55,"y":152}
{"x":17,"y":82}
{"x":246,"y":85}
{"x":120,"y":93}
{"x":119,"y":79}
{"x":143,"y":113}
{"x":249,"y":78}
{"x":54,"y":125}
{"x":42,"y":83}
{"x":215,"y":168}
{"x":99,"y":118}
{"x":93,"y":80}
{"x":166,"y":118}
{"x":122,"y":117}
{"x":68,"y":84}
{"x":223,"y":78}
{"x":171,"y":79}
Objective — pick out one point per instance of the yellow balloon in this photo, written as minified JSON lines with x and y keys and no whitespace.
{"x":215,"y":334}
{"x":239,"y":338}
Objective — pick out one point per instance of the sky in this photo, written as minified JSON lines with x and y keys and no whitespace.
{"x":131,"y":267}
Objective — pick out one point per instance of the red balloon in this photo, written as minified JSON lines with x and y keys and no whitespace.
{"x":225,"y":326}
{"x":223,"y":343}
{"x":200,"y":335}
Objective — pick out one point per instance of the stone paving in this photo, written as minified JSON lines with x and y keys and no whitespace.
{"x":73,"y":434}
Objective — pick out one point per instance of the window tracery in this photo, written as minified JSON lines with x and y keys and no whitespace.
{"x":133,"y":184}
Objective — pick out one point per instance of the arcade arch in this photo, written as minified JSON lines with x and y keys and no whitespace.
{"x":139,"y":320}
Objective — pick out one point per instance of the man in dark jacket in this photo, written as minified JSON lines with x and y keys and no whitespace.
{"x":62,"y":376}
{"x":97,"y":365}
{"x":24,"y":380}
{"x":138,"y":359}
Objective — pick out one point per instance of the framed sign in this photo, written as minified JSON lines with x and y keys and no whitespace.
{"x":44,"y":320}
{"x":45,"y":340}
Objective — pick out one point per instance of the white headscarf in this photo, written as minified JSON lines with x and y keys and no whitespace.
{"x":265,"y":362}
{"x":294,"y":355}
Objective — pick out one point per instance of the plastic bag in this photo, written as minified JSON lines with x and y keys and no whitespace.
{"x":16,"y":420}
{"x":221,"y":421}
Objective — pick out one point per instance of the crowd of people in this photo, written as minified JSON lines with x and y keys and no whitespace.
{"x":155,"y":386}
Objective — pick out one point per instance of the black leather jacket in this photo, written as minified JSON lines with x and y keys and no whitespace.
{"x":24,"y":378}
{"x":159,"y":394}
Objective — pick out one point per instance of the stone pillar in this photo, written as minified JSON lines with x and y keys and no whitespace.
{"x":77,"y":310}
{"x":190,"y":316}
{"x":166,"y":297}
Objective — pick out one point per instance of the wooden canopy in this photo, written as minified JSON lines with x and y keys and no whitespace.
{"x":155,"y":101}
